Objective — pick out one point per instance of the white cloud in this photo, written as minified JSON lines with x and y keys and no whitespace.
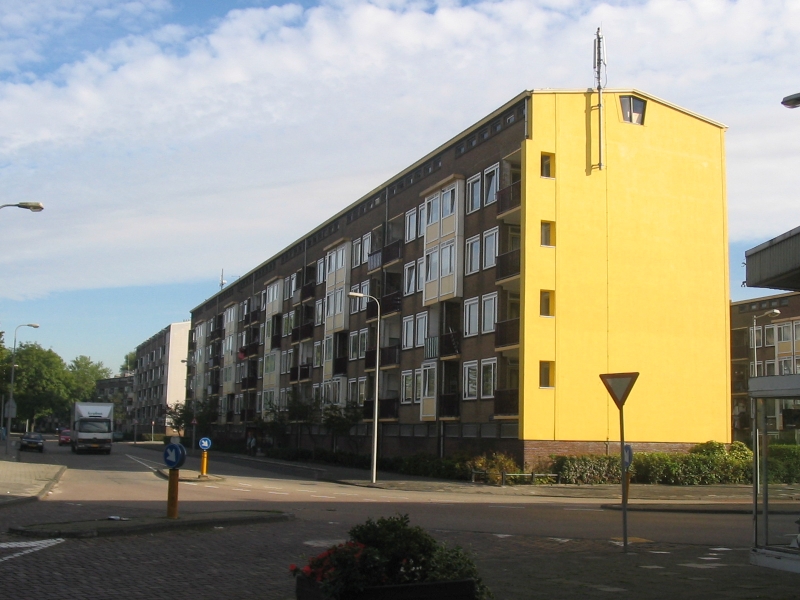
{"x":168,"y":154}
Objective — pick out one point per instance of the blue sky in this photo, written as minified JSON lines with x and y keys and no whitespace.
{"x":171,"y":139}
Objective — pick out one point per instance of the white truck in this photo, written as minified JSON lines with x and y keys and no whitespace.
{"x":92,"y":427}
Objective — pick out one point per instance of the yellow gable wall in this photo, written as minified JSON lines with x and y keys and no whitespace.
{"x":639,"y":271}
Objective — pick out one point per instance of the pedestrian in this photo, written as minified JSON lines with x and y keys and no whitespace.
{"x":251,"y":445}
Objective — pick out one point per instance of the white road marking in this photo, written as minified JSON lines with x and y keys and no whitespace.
{"x":502,"y":535}
{"x":504,"y":506}
{"x":279,"y":493}
{"x":331,"y":497}
{"x":586,"y":509}
{"x":323,"y":543}
{"x":560,"y":540}
{"x":212,"y":486}
{"x":28,"y":547}
{"x":345,"y":494}
{"x":650,"y":567}
{"x":247,"y":484}
{"x":658,"y":552}
{"x":702,"y":565}
{"x":272,"y":487}
{"x":141,"y":462}
{"x":190,"y":483}
{"x":708,"y":558}
{"x":721,"y":549}
{"x":240,"y":490}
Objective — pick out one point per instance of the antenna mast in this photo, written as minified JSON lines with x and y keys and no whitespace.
{"x":222,"y":281}
{"x":600,"y":76}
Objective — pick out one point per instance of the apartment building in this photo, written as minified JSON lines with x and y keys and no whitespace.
{"x":119,"y":389}
{"x":159,"y":378}
{"x":546,"y":244}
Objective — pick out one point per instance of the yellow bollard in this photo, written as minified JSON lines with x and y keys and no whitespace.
{"x":172,"y":494}
{"x":204,"y":464}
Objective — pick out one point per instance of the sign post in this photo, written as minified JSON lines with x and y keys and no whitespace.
{"x":205,"y":446}
{"x":619,"y":386}
{"x":174,"y":457}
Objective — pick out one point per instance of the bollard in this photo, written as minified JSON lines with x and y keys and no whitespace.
{"x":172,"y":494}
{"x":204,"y":464}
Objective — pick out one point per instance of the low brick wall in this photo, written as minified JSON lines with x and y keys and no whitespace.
{"x":536,"y":450}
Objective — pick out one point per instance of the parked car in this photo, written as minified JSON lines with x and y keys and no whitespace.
{"x":118,"y":436}
{"x":64,"y":437}
{"x":32,"y":440}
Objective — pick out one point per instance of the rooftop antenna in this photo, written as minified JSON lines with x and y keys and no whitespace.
{"x":222,"y":281}
{"x":600,"y":80}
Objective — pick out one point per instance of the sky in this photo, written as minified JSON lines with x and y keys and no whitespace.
{"x":172,"y":139}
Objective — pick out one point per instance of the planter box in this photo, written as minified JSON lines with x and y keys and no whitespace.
{"x":463,"y":589}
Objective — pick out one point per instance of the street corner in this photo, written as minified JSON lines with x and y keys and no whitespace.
{"x":189,"y":476}
{"x":27,"y":482}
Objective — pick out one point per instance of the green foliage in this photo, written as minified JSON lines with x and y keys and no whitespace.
{"x":588,"y":469}
{"x":83,"y":376}
{"x":783,"y":463}
{"x":710,"y":448}
{"x":388,"y":551}
{"x":42,"y":382}
{"x":495,"y":464}
{"x":740,"y":451}
{"x":128,"y":363}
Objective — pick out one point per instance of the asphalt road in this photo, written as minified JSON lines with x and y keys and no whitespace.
{"x":525,"y":546}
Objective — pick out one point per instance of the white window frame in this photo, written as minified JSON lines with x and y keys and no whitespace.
{"x":420,"y":274}
{"x":354,"y":302}
{"x":432,"y":265}
{"x":319,"y":312}
{"x":491,"y":198}
{"x":472,"y":255}
{"x":408,"y":332}
{"x":490,"y":259}
{"x":410,"y":276}
{"x":432,"y":208}
{"x":492,"y":364}
{"x":769,"y":332}
{"x":355,"y":259}
{"x":407,"y":381}
{"x":448,"y":199}
{"x":411,"y":225}
{"x":366,"y":246}
{"x":468,"y":304}
{"x":470,"y":366}
{"x":363,"y":342}
{"x":447,"y":249}
{"x":472,"y":182}
{"x":417,"y":385}
{"x":429,"y":382}
{"x":485,"y":299}
{"x":365,"y":291}
{"x":353,"y":347}
{"x":422,"y":220}
{"x":783,"y":332}
{"x":421,"y":329}
{"x":320,"y":271}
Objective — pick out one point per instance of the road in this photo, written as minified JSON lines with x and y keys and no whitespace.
{"x":521,"y":544}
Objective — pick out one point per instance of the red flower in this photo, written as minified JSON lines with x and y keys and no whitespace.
{"x":292,"y":568}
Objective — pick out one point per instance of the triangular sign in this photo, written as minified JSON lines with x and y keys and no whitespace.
{"x":619,"y":385}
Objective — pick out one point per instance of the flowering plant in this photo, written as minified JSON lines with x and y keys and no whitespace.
{"x":385,"y":552}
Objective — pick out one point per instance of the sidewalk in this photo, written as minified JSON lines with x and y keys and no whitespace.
{"x":23,"y":482}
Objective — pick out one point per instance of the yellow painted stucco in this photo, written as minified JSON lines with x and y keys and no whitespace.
{"x":639,"y":269}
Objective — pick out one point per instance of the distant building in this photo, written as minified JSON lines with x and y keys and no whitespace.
{"x":514,"y":264}
{"x":159,"y":377}
{"x":116,"y":388}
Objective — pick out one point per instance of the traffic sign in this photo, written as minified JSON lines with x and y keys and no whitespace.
{"x":619,"y":385}
{"x":205,"y":444}
{"x":627,"y":455}
{"x":174,"y":456}
{"x":11,"y":409}
{"x":194,"y":421}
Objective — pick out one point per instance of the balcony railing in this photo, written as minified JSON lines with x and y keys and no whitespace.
{"x":214,"y":335}
{"x":275,"y":341}
{"x":214,"y":361}
{"x":372,"y":310}
{"x":304,"y":372}
{"x":375,"y":260}
{"x":212,"y":389}
{"x":448,"y":344}
{"x":509,"y":198}
{"x":449,"y":405}
{"x":392,"y":252}
{"x":508,"y":265}
{"x":294,"y":373}
{"x":249,"y":382}
{"x":391,"y":303}
{"x":506,"y":403}
{"x":369,"y":359}
{"x":506,"y":333}
{"x":390,"y":356}
{"x":303,"y":332}
{"x":340,"y":365}
{"x":308,"y":291}
{"x":388,"y":408}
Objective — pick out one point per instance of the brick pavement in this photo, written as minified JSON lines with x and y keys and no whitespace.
{"x":21,"y":481}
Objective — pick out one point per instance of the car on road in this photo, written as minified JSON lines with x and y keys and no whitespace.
{"x":32,"y":440}
{"x":118,"y":436}
{"x":64,"y":437}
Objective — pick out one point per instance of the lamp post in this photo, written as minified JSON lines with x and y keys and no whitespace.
{"x":377,"y":379}
{"x":754,"y":426}
{"x":11,"y":405}
{"x":792,"y":101}
{"x":31,"y":206}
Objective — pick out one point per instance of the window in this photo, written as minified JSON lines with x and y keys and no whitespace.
{"x":448,"y":202}
{"x":489,"y":311}
{"x":319,"y":312}
{"x":407,"y":387}
{"x":340,"y":257}
{"x":429,"y":381}
{"x":320,"y":271}
{"x":472,"y":258}
{"x":329,"y":304}
{"x":362,"y":390}
{"x":545,"y":374}
{"x":547,"y":234}
{"x":547,"y":165}
{"x":432,"y":265}
{"x":488,"y":377}
{"x":785,"y":366}
{"x":470,"y":317}
{"x":760,"y":366}
{"x":287,"y":291}
{"x":354,"y":302}
{"x":474,"y":193}
{"x":757,"y":338}
{"x":408,"y":332}
{"x":632,"y":109}
{"x":356,"y":253}
{"x":422,"y":329}
{"x":546,"y":303}
{"x":417,"y":385}
{"x":353,"y":345}
{"x":365,"y":291}
{"x":770,"y":365}
{"x":352,"y":390}
{"x":327,"y":352}
{"x":411,"y":225}
{"x":448,"y":258}
{"x":769,"y":335}
{"x":366,"y":246}
{"x":422,"y":220}
{"x":420,"y":274}
{"x":339,"y":299}
{"x":363,"y":340}
{"x":784,"y":332}
{"x":432,"y":204}
{"x":260,"y":368}
{"x":283,"y":366}
{"x":490,"y":177}
{"x":489,"y":248}
{"x":470,"y":380}
{"x":409,"y":278}
{"x":317,"y":354}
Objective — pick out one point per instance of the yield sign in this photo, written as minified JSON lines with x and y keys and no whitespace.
{"x":619,"y":385}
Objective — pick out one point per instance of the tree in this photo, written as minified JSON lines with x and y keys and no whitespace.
{"x":340,"y":420}
{"x":41,"y":384}
{"x":84,"y":375}
{"x":129,"y":363}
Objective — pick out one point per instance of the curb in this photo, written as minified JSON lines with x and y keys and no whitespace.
{"x":164,"y":474}
{"x":39,"y":495}
{"x":711,"y":509}
{"x":107,"y":528}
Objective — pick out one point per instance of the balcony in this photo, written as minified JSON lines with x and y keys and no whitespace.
{"x":369,"y":359}
{"x":294,"y":373}
{"x":214,"y":335}
{"x":388,"y":408}
{"x":249,"y":382}
{"x":304,"y":372}
{"x":447,"y":345}
{"x":449,"y":406}
{"x":214,"y":361}
{"x":507,"y":265}
{"x":391,"y":303}
{"x":275,"y":342}
{"x":308,"y":291}
{"x":506,"y":333}
{"x":303,"y":332}
{"x":392,"y":252}
{"x":506,"y":403}
{"x":375,"y":260}
{"x":390,"y":356}
{"x":255,"y":315}
{"x":212,"y":389}
{"x":252,"y":348}
{"x":372,"y":310}
{"x":509,"y":198}
{"x":340,"y":365}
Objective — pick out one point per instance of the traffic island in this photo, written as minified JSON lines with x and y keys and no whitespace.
{"x":118,"y":526}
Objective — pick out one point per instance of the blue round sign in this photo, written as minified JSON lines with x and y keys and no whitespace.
{"x":174,"y":456}
{"x":204,"y":443}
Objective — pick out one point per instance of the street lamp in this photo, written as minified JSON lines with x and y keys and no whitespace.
{"x":31,"y":206}
{"x":377,"y":379}
{"x":11,"y":405}
{"x":792,"y":101}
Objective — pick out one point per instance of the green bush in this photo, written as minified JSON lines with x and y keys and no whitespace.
{"x":587,"y":469}
{"x":710,"y":448}
{"x":740,"y":451}
{"x":783,"y":463}
{"x":494,"y":465}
